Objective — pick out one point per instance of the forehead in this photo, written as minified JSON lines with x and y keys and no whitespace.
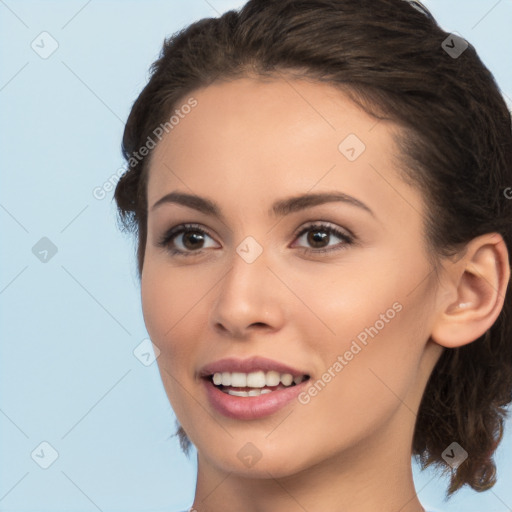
{"x":253,"y":110}
{"x":252,"y":139}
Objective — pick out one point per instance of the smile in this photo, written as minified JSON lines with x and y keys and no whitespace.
{"x":256,"y":387}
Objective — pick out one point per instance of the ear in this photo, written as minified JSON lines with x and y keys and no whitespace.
{"x":475,"y":289}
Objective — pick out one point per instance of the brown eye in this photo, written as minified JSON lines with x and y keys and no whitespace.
{"x":186,"y":240}
{"x":192,"y":239}
{"x":317,"y":238}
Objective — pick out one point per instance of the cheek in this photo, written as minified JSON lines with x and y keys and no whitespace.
{"x":167,"y":303}
{"x":167,"y":300}
{"x":345,"y":301}
{"x":372,"y":292}
{"x":369,"y":334}
{"x":175,"y":308}
{"x":362,"y":385}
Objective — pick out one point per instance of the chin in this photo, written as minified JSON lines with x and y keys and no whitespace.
{"x":258,"y":458}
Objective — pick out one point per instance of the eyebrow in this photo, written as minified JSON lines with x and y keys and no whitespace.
{"x":279,"y":208}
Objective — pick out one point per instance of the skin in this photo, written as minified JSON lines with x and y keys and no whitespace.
{"x":246,"y":144}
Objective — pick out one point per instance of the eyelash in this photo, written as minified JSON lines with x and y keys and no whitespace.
{"x":168,"y":237}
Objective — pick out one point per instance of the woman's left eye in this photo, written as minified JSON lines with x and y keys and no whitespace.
{"x":193,"y":238}
{"x":319,"y":236}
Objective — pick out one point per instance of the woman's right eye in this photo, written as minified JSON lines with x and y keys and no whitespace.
{"x":185,"y":240}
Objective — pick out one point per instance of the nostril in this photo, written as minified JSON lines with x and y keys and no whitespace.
{"x":259,"y":324}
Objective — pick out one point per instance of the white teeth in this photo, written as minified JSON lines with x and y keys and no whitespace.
{"x":238,"y":380}
{"x":237,"y":393}
{"x":272,"y":378}
{"x":287,"y":379}
{"x":252,"y":392}
{"x":258,"y":379}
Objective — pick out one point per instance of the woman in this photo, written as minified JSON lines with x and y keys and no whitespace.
{"x":317,"y":189}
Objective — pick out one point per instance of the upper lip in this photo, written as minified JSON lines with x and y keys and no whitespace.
{"x":251,"y":364}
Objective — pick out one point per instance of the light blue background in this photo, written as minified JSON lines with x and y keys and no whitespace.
{"x":69,"y":327}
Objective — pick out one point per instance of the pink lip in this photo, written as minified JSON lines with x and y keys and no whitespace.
{"x":252,"y":364}
{"x":252,"y":407}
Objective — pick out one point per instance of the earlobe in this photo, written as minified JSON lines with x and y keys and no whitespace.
{"x":480,"y":279}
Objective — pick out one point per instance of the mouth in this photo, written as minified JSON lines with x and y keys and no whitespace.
{"x":254,"y":383}
{"x":252,"y":388}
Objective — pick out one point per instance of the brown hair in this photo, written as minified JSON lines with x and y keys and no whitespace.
{"x":455,"y":146}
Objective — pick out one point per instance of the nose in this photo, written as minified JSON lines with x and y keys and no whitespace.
{"x":249,"y":298}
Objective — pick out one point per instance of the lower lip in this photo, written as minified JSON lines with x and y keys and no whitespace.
{"x":251,"y":407}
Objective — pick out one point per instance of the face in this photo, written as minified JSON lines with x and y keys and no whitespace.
{"x":336,"y":290}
